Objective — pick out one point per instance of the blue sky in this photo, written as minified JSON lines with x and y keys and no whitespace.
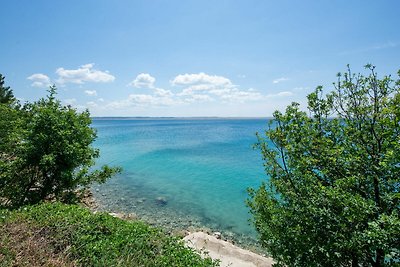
{"x":191,"y":58}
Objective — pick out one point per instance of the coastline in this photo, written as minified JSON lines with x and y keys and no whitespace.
{"x":156,"y":212}
{"x":219,"y":245}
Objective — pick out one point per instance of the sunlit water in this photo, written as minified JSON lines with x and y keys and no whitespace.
{"x":182,"y":173}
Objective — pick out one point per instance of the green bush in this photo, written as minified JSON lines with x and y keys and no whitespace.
{"x":46,"y":152}
{"x":333,"y":195}
{"x":102,"y":240}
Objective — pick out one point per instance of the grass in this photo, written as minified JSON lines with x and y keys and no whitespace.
{"x":54,"y":234}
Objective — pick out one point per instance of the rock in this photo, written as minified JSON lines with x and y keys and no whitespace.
{"x":117,"y":215}
{"x":131,"y":216}
{"x":217,"y":235}
{"x":161,"y":201}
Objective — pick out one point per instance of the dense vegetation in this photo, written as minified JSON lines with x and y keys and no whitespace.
{"x":334,"y":189}
{"x":67,"y":235}
{"x":45,"y":150}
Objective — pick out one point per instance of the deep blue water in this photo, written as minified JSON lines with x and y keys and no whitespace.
{"x":200,"y":168}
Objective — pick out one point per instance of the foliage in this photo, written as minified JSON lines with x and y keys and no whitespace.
{"x":333,"y":194}
{"x":6,"y":95}
{"x":46,"y":152}
{"x":99,"y":239}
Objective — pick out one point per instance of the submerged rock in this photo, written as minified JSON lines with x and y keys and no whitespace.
{"x":141,"y":200}
{"x":161,"y":201}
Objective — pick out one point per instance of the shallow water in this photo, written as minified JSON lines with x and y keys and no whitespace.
{"x":182,"y":172}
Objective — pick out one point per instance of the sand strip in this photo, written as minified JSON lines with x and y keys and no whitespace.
{"x":228,"y":254}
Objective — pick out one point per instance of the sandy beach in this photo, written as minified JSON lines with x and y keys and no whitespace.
{"x":228,"y":254}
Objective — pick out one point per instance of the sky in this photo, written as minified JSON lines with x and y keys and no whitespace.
{"x":236,"y":58}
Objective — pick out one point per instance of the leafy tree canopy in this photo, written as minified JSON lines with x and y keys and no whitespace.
{"x":332,"y":198}
{"x":6,"y":95}
{"x":46,"y":152}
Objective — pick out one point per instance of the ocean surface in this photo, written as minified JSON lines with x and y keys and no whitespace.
{"x":182,"y":173}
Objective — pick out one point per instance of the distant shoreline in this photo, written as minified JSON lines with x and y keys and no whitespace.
{"x":180,"y":118}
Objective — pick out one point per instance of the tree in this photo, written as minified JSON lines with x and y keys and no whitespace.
{"x":10,"y":123}
{"x":52,"y":154}
{"x":332,"y":198}
{"x":6,"y":95}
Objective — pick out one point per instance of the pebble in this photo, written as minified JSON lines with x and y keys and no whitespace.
{"x":217,"y":235}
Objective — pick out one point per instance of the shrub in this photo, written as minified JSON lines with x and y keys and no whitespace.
{"x":47,"y":152}
{"x":333,"y":194}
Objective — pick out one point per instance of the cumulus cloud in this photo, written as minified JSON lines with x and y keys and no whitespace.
{"x":204,"y":87}
{"x":200,"y":78}
{"x":187,"y":89}
{"x":85,"y":73}
{"x":143,"y":80}
{"x":142,"y":100}
{"x":39,"y":80}
{"x":156,"y":97}
{"x":279,"y":80}
{"x":162,"y":92}
{"x":91,"y":92}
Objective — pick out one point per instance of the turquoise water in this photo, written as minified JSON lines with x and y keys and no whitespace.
{"x":182,"y":172}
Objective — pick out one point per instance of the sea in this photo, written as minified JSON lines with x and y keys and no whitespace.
{"x":182,"y":173}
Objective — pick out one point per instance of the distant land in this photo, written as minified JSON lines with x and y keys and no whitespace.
{"x":181,"y":118}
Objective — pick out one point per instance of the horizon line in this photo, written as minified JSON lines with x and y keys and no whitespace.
{"x":180,"y":117}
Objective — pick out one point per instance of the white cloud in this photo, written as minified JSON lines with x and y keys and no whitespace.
{"x":162,"y":92}
{"x":193,"y":88}
{"x":157,"y":97}
{"x":206,"y":87}
{"x":39,"y":80}
{"x":282,"y":79}
{"x":200,"y":78}
{"x":142,"y":100}
{"x":143,"y":80}
{"x":84,"y":73}
{"x":91,"y":92}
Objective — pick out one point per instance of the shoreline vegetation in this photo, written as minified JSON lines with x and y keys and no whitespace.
{"x":219,"y":244}
{"x":56,"y":234}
